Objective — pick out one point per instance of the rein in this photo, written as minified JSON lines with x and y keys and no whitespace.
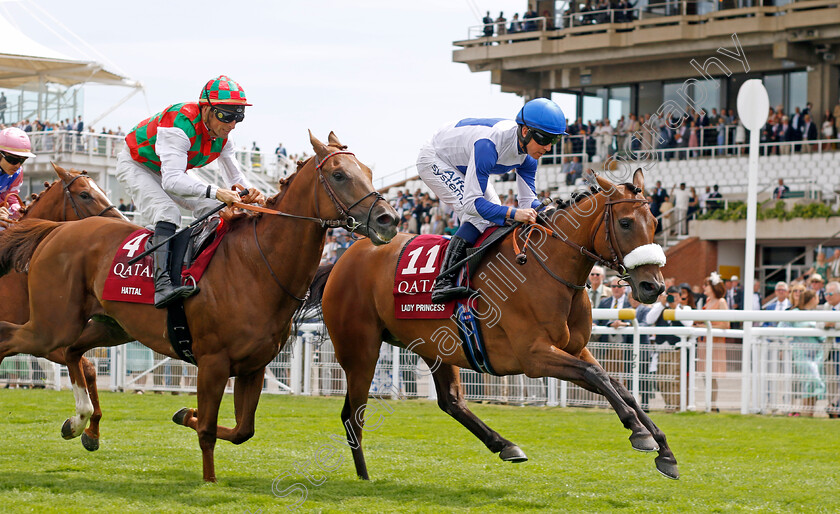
{"x":614,"y":264}
{"x":347,"y":221}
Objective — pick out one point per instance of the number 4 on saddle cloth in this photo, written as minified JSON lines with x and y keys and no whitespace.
{"x":191,"y":253}
{"x":418,"y":266}
{"x":135,"y":283}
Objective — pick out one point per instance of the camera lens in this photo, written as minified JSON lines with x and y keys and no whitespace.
{"x":670,"y":298}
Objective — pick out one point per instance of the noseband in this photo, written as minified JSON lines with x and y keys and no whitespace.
{"x":69,"y":196}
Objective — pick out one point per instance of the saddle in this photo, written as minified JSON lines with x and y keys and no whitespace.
{"x":187,"y":246}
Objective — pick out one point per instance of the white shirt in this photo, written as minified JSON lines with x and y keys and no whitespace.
{"x":172,"y":146}
{"x":681,"y":198}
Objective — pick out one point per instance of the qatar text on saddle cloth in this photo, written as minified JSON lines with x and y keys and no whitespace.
{"x":135,"y":283}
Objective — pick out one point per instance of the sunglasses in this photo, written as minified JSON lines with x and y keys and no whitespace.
{"x":544,"y":138}
{"x":617,"y":287}
{"x":594,"y":274}
{"x":14,"y":160}
{"x":227,"y":117}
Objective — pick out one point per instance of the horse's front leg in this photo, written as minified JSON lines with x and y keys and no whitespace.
{"x":666,"y":462}
{"x":546,"y":360}
{"x":213,"y":373}
{"x":246,"y":395}
{"x":75,"y":425}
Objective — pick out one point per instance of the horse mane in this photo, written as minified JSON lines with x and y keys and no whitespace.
{"x":272,"y":202}
{"x":37,"y":196}
{"x":18,"y":243}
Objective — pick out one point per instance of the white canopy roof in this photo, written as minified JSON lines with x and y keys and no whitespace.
{"x":25,"y":61}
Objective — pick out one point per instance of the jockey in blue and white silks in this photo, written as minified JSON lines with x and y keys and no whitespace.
{"x":458,"y":161}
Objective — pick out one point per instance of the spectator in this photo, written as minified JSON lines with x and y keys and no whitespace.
{"x":123,"y":207}
{"x":614,"y":358}
{"x":666,"y":363}
{"x":488,"y":25}
{"x":451,"y":228}
{"x":807,"y":357}
{"x":816,"y":283}
{"x":646,"y":350}
{"x":693,"y":204}
{"x":714,"y":290}
{"x":597,"y":289}
{"x":780,"y":303}
{"x":827,"y":129}
{"x":280,"y":151}
{"x":832,"y":360}
{"x":687,"y":296}
{"x":3,"y":106}
{"x":714,"y":200}
{"x":658,"y":196}
{"x":501,"y":27}
{"x":682,"y":198}
{"x":809,"y":133}
{"x":515,"y":24}
{"x":834,"y":266}
{"x":667,"y":215}
{"x":735,"y":294}
{"x":781,"y":190}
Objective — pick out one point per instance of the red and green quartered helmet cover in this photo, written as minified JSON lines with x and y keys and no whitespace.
{"x":223,"y":90}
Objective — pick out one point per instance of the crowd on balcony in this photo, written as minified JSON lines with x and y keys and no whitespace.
{"x":695,"y":134}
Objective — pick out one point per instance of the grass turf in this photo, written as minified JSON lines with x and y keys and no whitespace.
{"x":420,"y":460}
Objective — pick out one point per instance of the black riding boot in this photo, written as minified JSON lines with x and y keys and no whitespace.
{"x":446,"y":286}
{"x":165,"y":290}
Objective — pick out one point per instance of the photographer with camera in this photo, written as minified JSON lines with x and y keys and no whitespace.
{"x":665,"y":361}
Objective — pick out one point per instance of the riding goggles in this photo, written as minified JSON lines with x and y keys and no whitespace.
{"x":544,"y":138}
{"x":14,"y":160}
{"x":227,"y":116}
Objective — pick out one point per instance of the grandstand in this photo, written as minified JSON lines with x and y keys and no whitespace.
{"x":672,"y":60}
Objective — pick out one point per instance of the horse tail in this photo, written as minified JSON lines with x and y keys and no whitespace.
{"x":18,"y":243}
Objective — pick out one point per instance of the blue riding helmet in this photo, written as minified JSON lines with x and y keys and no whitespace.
{"x":543,"y":114}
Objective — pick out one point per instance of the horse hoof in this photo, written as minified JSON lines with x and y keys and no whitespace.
{"x":643,"y":443}
{"x":67,"y":430}
{"x":668,"y":468}
{"x":178,"y":417}
{"x":91,"y":444}
{"x":513,"y":454}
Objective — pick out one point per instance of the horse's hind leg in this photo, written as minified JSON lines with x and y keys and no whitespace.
{"x":451,"y":401}
{"x":97,"y":333}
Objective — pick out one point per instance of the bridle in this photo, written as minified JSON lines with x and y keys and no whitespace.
{"x":73,"y":204}
{"x":346,"y":220}
{"x":607,"y":219}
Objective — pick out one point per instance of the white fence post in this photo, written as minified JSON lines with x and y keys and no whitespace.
{"x":551,"y":400}
{"x":395,"y":372}
{"x":635,"y":364}
{"x":297,"y":364}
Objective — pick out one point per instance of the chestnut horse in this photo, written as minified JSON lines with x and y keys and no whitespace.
{"x":252,"y":287}
{"x":536,"y":318}
{"x":73,"y":196}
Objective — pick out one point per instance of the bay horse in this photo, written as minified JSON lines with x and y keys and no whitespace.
{"x":256,"y":280}
{"x":73,"y":196}
{"x":539,"y":314}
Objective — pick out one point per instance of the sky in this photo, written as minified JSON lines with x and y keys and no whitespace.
{"x":379,"y":73}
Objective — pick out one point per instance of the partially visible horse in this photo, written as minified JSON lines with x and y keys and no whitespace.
{"x":257,"y":279}
{"x":73,"y":196}
{"x":536,"y":317}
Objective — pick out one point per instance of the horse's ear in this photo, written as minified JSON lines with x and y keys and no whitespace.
{"x":320,"y":148}
{"x":639,"y":179}
{"x":61,"y":172}
{"x":333,"y":139}
{"x":607,"y":186}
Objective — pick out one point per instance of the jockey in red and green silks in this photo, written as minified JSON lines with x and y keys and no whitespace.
{"x":159,"y":151}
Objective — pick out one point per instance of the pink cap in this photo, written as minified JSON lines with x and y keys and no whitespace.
{"x":15,"y":141}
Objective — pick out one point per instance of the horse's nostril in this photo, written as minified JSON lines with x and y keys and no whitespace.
{"x":386,"y":219}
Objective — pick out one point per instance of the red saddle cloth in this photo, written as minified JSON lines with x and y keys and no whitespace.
{"x":136,"y":283}
{"x":417,"y":269}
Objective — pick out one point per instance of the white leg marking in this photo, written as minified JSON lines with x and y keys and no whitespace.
{"x":84,"y":410}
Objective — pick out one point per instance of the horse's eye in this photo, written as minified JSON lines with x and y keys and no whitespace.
{"x":625,"y":223}
{"x":84,"y":195}
{"x":338,"y":176}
